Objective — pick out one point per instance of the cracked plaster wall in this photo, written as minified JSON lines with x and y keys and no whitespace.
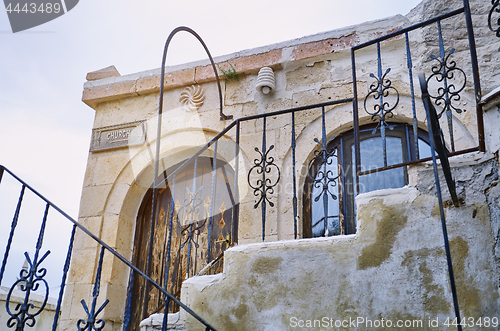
{"x":394,"y":267}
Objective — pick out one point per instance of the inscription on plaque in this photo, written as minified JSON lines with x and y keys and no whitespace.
{"x":122,"y":135}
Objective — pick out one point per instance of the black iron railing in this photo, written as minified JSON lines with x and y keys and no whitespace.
{"x":332,"y":173}
{"x":23,"y":315}
{"x":264,"y":174}
{"x":328,"y":173}
{"x":446,"y":83}
{"x":437,"y":144}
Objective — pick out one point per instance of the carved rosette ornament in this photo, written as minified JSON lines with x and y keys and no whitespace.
{"x":192,"y":98}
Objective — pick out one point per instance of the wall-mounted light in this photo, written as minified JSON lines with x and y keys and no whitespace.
{"x":266,"y":83}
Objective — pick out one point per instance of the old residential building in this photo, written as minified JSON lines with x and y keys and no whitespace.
{"x":305,"y":182}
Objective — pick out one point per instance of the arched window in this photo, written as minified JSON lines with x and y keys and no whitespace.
{"x":331,"y":181}
{"x":186,"y":254}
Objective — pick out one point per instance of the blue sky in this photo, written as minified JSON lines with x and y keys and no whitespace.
{"x":45,"y":128}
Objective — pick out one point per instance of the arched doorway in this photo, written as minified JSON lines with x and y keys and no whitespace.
{"x":178,"y":245}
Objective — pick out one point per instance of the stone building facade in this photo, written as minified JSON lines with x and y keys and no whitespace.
{"x":391,"y":265}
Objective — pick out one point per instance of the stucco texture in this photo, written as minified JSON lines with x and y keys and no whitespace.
{"x":394,"y":269}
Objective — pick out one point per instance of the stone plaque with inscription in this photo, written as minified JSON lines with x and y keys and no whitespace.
{"x":121,"y":135}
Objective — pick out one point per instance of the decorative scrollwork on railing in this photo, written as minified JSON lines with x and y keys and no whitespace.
{"x":189,"y":231}
{"x":495,"y":8}
{"x":92,"y":323}
{"x":324,"y":178}
{"x":191,"y":219}
{"x":379,"y":90}
{"x":190,"y":216}
{"x":263,"y":187}
{"x":191,"y":210}
{"x":30,"y":280}
{"x":444,"y":73}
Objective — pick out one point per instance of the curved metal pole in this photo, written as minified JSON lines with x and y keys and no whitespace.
{"x":163,"y":62}
{"x":158,"y":134}
{"x":160,"y":105}
{"x":160,"y":112}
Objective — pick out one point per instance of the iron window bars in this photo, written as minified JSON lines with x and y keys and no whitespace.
{"x":330,"y":182}
{"x":444,"y":70}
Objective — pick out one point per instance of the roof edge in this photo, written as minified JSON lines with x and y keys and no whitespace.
{"x":247,"y":61}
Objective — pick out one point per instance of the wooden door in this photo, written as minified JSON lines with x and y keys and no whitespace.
{"x":177,"y":244}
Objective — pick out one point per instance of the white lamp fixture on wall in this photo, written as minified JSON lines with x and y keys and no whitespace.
{"x":265,"y":80}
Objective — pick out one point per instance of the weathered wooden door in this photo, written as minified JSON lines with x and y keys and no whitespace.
{"x":177,"y":245}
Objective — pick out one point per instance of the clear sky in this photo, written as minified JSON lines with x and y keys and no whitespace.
{"x":45,"y":128}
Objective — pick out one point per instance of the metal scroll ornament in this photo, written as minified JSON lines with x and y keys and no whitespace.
{"x":324,"y":178}
{"x":92,"y":323}
{"x":379,"y":90}
{"x":495,"y":8}
{"x":30,"y":280}
{"x":264,"y":186}
{"x":191,"y":220}
{"x":190,"y":216}
{"x":445,"y":73}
